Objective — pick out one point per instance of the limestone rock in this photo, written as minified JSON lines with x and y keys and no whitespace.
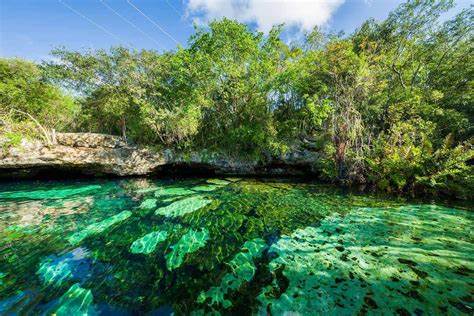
{"x":99,"y":154}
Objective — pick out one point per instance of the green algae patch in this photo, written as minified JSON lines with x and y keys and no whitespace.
{"x":243,"y":269}
{"x":2,"y":276}
{"x":374,"y":260}
{"x":171,"y":199}
{"x":148,"y":204}
{"x":147,"y":190}
{"x":148,"y":243}
{"x":231,"y":179}
{"x":76,"y":301}
{"x":48,"y":194}
{"x":218,"y":181}
{"x":173,"y":191}
{"x":206,"y":188}
{"x":98,"y":228}
{"x":190,"y":242}
{"x":182,"y":207}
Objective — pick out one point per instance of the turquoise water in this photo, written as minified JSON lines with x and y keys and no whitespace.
{"x":228,"y":246}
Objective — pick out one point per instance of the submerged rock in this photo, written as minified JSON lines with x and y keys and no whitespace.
{"x":182,"y":207}
{"x":148,"y":243}
{"x":49,"y":194}
{"x":76,"y":301}
{"x":243,"y":269}
{"x":173,"y":191}
{"x":98,"y":228}
{"x":75,"y":265}
{"x":189,"y":243}
{"x":148,"y":204}
{"x":206,"y":188}
{"x":368,"y":262}
{"x":218,"y":181}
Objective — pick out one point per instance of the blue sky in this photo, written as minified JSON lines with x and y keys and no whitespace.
{"x":31,"y":28}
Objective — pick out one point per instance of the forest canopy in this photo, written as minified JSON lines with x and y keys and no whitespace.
{"x":390,"y":105}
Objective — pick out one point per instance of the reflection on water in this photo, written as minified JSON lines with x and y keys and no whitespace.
{"x":230,"y":246}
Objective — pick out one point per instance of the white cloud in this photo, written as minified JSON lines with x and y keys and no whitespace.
{"x":304,"y":14}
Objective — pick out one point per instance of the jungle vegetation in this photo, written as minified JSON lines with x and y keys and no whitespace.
{"x":390,"y":105}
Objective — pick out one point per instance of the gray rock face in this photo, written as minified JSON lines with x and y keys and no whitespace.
{"x":90,"y":140}
{"x":85,"y":152}
{"x":98,"y":154}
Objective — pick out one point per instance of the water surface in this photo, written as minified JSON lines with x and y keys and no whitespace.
{"x":229,"y":246}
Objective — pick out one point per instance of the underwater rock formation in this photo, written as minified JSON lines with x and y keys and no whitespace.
{"x":242,"y":270}
{"x":98,"y":228}
{"x":206,"y":188}
{"x":49,"y":194}
{"x":221,"y":182}
{"x":190,"y":242}
{"x":173,"y":191}
{"x":76,"y":301}
{"x":371,"y":261}
{"x":148,"y":243}
{"x":74,"y":265}
{"x":182,"y":207}
{"x":148,"y":204}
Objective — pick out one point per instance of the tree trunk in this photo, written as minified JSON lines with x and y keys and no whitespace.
{"x":340,"y":159}
{"x":124,"y":129}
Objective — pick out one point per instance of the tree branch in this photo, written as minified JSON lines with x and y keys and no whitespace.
{"x":43,"y":130}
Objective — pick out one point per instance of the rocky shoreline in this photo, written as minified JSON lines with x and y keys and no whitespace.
{"x":90,"y":154}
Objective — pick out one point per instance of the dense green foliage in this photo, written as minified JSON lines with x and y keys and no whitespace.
{"x":25,"y":96}
{"x":390,"y":105}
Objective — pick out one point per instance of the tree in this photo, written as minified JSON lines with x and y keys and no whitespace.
{"x":29,"y":104}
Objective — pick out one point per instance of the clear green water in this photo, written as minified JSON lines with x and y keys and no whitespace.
{"x":235,"y":246}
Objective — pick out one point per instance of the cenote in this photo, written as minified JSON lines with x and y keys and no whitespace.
{"x":228,"y":246}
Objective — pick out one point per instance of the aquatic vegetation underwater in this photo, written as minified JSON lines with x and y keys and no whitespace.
{"x":228,"y":246}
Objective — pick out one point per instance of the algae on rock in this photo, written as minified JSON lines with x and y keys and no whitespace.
{"x":189,"y":243}
{"x":173,"y":191}
{"x":74,"y":265}
{"x":182,"y":207}
{"x":377,"y":260}
{"x":243,"y":269}
{"x":76,"y":301}
{"x":218,"y":181}
{"x":49,"y":194}
{"x":98,"y":228}
{"x":206,"y":188}
{"x":148,"y":204}
{"x":148,"y":243}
